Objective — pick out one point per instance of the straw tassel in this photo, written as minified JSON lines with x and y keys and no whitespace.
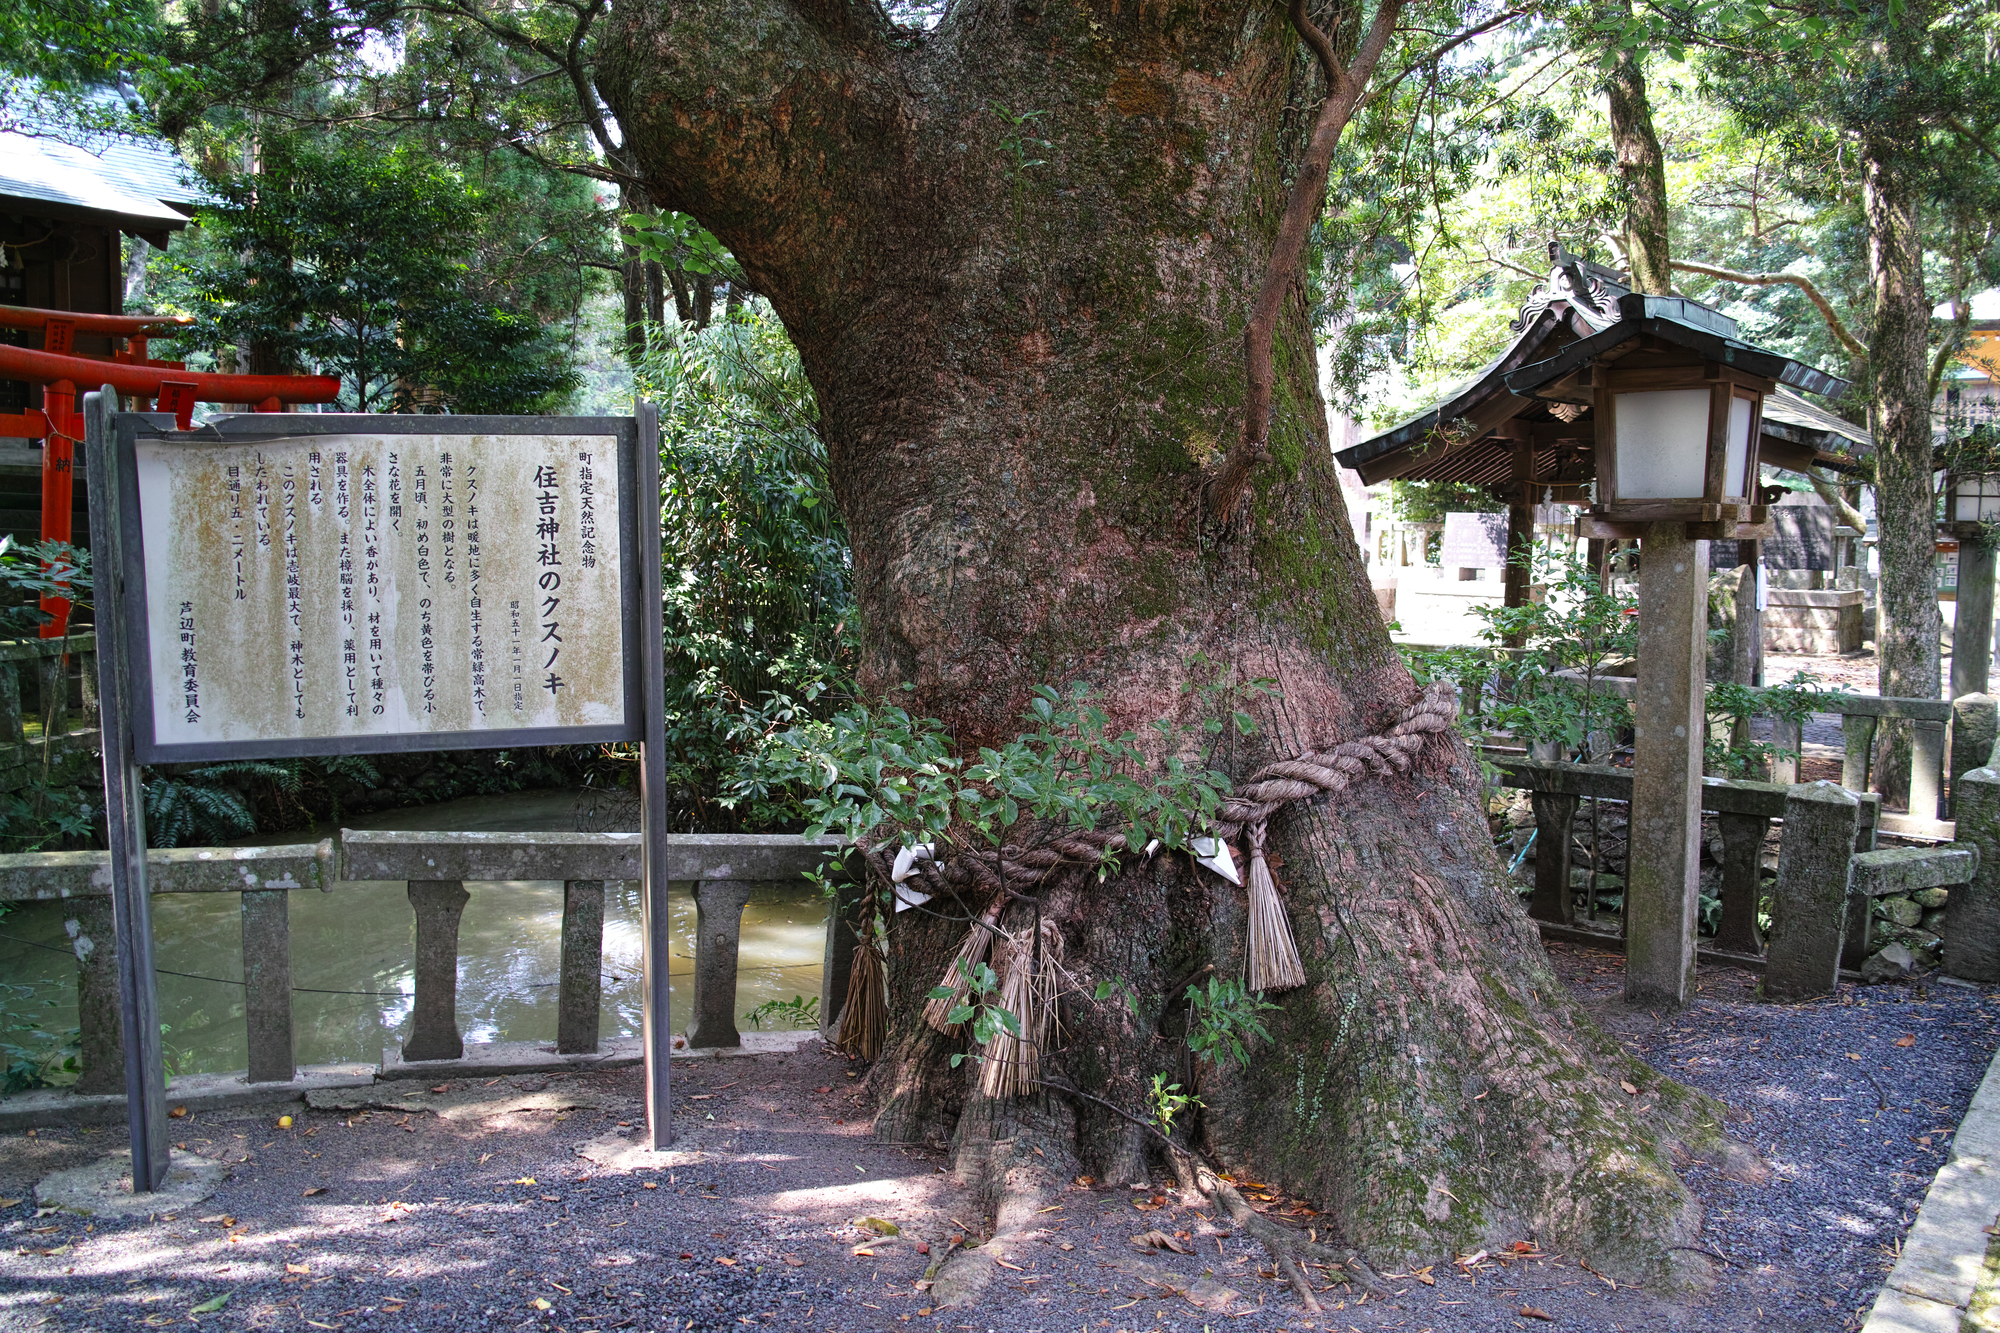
{"x":1012,"y":1064}
{"x":865,"y":1021}
{"x":1274,"y":958}
{"x":937,"y":1011}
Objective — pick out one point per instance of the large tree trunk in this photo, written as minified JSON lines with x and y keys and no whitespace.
{"x":1025,"y":374}
{"x":1642,"y":168}
{"x":1908,"y":626}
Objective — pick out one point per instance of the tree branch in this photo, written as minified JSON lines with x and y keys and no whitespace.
{"x":1308,"y":195}
{"x":1846,"y":339}
{"x":1831,"y":496}
{"x":1965,"y":132}
{"x":1438,"y":52}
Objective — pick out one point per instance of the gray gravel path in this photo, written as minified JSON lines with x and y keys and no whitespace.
{"x":484,"y":1211}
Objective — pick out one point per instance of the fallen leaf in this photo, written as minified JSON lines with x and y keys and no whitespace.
{"x":793,"y":1260}
{"x":877,"y":1225}
{"x":1064,"y":1245}
{"x":525,"y":1180}
{"x":540,"y":1304}
{"x":442,"y":1087}
{"x":211,"y":1306}
{"x":1212,"y":1296}
{"x":8,"y":1203}
{"x":316,"y":1324}
{"x":863,"y":1252}
{"x":1530,"y":1312}
{"x":1004,"y":1264}
{"x":552,"y":1198}
{"x":1907,"y":1039}
{"x":731,"y":1263}
{"x":298,"y":1268}
{"x":1523,"y":1247}
{"x":1630,"y":1091}
{"x":1159,"y":1240}
{"x":924,"y":1246}
{"x":317,"y":1189}
{"x":829,"y":1088}
{"x":178,"y":1112}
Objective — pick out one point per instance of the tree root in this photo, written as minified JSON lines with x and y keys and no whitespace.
{"x":1284,"y":1246}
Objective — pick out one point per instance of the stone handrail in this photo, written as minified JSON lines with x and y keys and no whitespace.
{"x":724,"y":869}
{"x":55,"y":666}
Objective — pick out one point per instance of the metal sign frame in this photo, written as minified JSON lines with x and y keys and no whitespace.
{"x":124,"y":667}
{"x":132,"y":427}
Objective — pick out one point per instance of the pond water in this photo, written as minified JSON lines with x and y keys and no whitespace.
{"x":352,"y":954}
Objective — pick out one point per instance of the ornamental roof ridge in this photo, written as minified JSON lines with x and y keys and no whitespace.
{"x":1590,"y":290}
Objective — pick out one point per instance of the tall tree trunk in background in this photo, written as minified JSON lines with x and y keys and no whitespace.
{"x":1642,"y":168}
{"x":1908,"y":626}
{"x":1025,"y":376}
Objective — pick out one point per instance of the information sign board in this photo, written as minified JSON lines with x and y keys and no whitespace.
{"x":384,"y":588}
{"x":273,"y":585}
{"x":1474,"y":541}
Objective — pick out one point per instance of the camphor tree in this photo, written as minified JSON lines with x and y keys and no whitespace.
{"x":1019,"y":251}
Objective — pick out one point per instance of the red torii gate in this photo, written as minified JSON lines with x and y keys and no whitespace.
{"x":59,"y":369}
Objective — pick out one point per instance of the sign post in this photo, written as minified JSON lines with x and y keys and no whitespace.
{"x":285,"y":585}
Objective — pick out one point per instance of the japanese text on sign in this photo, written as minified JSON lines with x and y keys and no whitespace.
{"x":359,"y":585}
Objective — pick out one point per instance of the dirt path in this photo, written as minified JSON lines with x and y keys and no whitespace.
{"x":517,"y":1205}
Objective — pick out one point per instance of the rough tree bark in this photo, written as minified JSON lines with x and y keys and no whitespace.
{"x":1908,"y":626}
{"x":1025,"y":378}
{"x":1642,"y":168}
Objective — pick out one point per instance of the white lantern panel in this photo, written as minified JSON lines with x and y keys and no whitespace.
{"x":1737,"y":461}
{"x":1978,"y":498}
{"x":1662,"y":444}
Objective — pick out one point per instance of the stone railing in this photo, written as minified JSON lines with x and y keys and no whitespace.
{"x":723,"y":868}
{"x":48,"y":700}
{"x":1829,"y":874}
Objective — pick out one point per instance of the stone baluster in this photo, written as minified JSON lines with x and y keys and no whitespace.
{"x":87,"y":922}
{"x":581,"y":979}
{"x":1809,"y":901}
{"x":434,"y":1035}
{"x":1858,"y":731}
{"x":267,"y":984}
{"x":10,"y":704}
{"x":1926,"y":768}
{"x":1972,"y":915}
{"x":718,"y":932}
{"x":838,"y":964}
{"x":1788,"y":738}
{"x":1742,"y":882}
{"x":1555,"y":818}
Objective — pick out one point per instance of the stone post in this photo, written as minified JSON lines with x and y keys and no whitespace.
{"x":838,"y":964}
{"x":1857,"y":732}
{"x":1972,"y":624}
{"x":581,"y":980}
{"x":718,"y":931}
{"x":1742,"y":882}
{"x":439,"y":903}
{"x":1809,"y":901}
{"x":267,"y":984}
{"x":1661,"y":902}
{"x":1787,"y":736}
{"x":1555,"y":818}
{"x":1975,"y":725}
{"x":1972,"y":920}
{"x":100,"y":1028}
{"x":1926,"y":764}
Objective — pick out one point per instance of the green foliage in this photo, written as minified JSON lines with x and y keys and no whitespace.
{"x":1544,"y":692}
{"x":33,"y":1055}
{"x":799,"y":1012}
{"x":978,"y":1007}
{"x":346,"y":260}
{"x":1222,"y":1017}
{"x":1164,"y":1101}
{"x":205,"y":804}
{"x":1430,"y":501}
{"x":678,"y":241}
{"x":877,"y":773}
{"x":32,"y":572}
{"x":756,"y":583}
{"x":1730,"y":706}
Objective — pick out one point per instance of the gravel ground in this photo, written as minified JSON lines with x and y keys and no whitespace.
{"x":476,"y":1207}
